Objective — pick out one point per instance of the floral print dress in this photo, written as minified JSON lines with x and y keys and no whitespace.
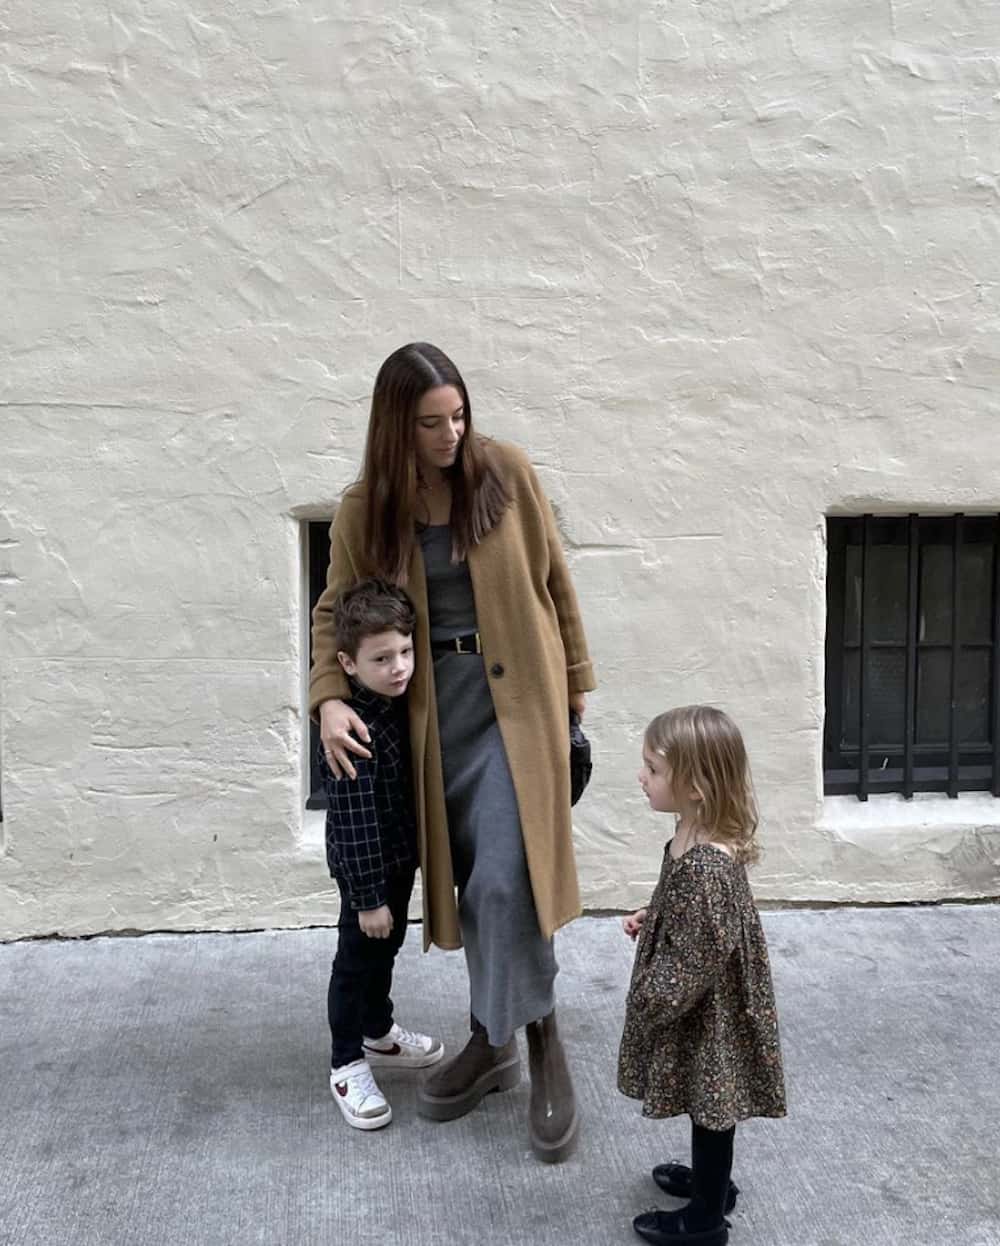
{"x":701,"y":1030}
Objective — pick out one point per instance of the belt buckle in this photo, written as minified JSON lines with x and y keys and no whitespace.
{"x":460,"y":649}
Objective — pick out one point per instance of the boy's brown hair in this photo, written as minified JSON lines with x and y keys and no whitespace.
{"x":367,"y":608}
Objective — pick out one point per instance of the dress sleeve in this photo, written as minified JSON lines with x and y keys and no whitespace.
{"x":696,"y":938}
{"x":327,"y":678}
{"x":579,"y":668}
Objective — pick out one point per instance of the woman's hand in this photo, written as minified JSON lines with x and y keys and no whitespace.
{"x":578,"y":702}
{"x":337,"y":722}
{"x":633,"y":923}
{"x":376,"y":923}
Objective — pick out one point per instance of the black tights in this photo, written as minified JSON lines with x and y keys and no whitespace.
{"x":711,"y":1164}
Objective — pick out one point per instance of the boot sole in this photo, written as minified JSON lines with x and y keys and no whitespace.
{"x":562,"y":1148}
{"x":451,"y":1107}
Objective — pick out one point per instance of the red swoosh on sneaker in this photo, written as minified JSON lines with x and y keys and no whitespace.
{"x":341,"y":1089}
{"x":394,"y":1050}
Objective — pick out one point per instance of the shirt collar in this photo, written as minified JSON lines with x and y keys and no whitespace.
{"x":364,"y":697}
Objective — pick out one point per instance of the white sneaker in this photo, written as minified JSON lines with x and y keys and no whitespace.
{"x":357,"y":1095}
{"x":402,"y":1049}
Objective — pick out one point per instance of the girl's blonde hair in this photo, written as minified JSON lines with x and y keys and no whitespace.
{"x":705,"y":752}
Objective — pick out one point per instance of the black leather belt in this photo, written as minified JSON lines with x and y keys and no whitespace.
{"x":469,"y":643}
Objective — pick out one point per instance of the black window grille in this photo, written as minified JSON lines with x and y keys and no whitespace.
{"x":318,"y":557}
{"x":912,"y":655}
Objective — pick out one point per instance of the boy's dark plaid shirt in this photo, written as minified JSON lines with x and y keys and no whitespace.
{"x":370,"y":825}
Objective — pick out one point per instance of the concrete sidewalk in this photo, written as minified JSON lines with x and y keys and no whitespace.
{"x":171,"y":1091}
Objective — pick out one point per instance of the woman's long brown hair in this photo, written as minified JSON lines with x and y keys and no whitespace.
{"x":479,"y":496}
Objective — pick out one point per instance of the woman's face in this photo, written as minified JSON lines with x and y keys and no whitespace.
{"x":440,"y":428}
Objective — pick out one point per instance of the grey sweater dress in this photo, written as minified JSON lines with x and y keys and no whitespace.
{"x":512,"y":968}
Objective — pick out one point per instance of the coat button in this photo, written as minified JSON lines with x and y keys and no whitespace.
{"x":496,"y":670}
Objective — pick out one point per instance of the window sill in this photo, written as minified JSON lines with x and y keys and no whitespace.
{"x":927,"y":816}
{"x":313,"y":830}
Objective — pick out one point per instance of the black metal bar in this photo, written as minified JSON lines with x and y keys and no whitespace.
{"x":866,"y":540}
{"x":926,"y":646}
{"x":956,"y":653}
{"x":995,"y":785}
{"x":925,"y":779}
{"x":912,"y":617}
{"x":921,"y":753}
{"x":836,"y":577}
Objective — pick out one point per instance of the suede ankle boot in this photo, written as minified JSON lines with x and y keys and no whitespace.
{"x":552,"y":1116}
{"x":457,"y":1085}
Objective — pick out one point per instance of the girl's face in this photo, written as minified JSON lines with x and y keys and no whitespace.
{"x":440,"y":429}
{"x":656,"y":781}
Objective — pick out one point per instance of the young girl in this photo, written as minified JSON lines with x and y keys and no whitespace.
{"x":701,"y":1032}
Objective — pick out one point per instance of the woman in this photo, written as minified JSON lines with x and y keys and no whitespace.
{"x":462,"y":523}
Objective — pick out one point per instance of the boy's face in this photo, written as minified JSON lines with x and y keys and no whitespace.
{"x":384,"y":663}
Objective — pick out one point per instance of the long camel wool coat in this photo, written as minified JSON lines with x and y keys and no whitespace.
{"x":535,"y":653}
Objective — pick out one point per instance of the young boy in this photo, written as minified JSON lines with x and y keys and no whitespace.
{"x":371,"y":852}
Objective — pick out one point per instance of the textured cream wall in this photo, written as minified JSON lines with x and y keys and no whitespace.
{"x":721,"y":267}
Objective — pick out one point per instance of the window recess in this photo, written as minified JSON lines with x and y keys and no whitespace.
{"x":912,"y":655}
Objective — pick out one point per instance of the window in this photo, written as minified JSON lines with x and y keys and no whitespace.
{"x":318,"y":559}
{"x":912,"y":644}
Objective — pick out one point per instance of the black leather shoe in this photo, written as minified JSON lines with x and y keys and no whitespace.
{"x":667,"y":1228}
{"x":675,"y":1179}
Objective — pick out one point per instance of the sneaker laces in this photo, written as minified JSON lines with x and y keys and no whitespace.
{"x":364,"y":1081}
{"x":409,"y":1038}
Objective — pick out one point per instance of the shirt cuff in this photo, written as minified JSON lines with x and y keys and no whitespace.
{"x":370,"y":898}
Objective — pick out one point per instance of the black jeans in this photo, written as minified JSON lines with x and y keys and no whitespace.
{"x":358,"y":1002}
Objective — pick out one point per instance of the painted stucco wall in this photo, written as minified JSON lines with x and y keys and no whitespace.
{"x":721,"y":267}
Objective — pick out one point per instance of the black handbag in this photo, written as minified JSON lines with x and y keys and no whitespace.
{"x":580,"y":765}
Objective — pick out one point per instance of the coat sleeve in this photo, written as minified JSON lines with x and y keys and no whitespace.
{"x":327,"y":678}
{"x":696,"y":939}
{"x":579,"y":668}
